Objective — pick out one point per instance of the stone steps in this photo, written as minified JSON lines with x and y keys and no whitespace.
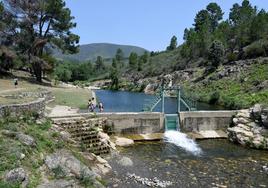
{"x":84,"y":132}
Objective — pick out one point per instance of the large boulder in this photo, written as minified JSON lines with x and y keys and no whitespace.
{"x":248,"y":128}
{"x":26,"y":139}
{"x":17,"y":175}
{"x":264,"y":117}
{"x":123,"y":142}
{"x":70,"y":165}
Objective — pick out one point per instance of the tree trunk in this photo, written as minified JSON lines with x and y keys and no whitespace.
{"x":37,"y":71}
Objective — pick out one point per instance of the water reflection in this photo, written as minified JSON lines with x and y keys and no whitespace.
{"x":124,"y":101}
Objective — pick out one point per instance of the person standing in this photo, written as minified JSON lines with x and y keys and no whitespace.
{"x":101,"y":107}
{"x":16,"y":83}
{"x":89,"y":105}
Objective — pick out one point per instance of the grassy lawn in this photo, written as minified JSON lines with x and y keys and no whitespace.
{"x":73,"y":97}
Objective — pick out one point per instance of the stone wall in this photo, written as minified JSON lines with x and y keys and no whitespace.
{"x":135,"y":123}
{"x":250,"y":127}
{"x":37,"y":106}
{"x":205,"y":120}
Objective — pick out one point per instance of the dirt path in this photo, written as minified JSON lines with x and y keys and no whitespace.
{"x":11,"y":90}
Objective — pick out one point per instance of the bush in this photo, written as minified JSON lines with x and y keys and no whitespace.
{"x":232,"y":57}
{"x":214,"y":97}
{"x":256,"y":49}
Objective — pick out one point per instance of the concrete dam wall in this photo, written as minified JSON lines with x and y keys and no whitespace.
{"x":135,"y":123}
{"x":196,"y":121}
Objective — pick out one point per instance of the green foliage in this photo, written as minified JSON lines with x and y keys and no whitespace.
{"x":256,"y":49}
{"x":215,"y":54}
{"x":119,"y":58}
{"x":246,"y":28}
{"x":214,"y":98}
{"x":99,"y":65}
{"x":133,"y":60}
{"x":173,"y":43}
{"x":39,"y":23}
{"x":59,"y":172}
{"x":70,"y":72}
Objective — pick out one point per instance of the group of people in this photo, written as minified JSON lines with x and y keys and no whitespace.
{"x":92,"y":106}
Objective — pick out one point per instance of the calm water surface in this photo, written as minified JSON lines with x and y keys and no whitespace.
{"x":124,"y":101}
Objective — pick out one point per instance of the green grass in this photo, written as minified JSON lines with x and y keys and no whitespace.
{"x":74,"y":97}
{"x":10,"y":148}
{"x":235,"y":93}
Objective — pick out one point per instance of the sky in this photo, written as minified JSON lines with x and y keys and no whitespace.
{"x":145,"y":23}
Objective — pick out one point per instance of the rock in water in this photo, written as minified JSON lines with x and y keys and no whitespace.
{"x":125,"y":161}
{"x":123,"y":142}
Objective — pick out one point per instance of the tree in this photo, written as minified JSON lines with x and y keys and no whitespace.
{"x":99,"y":65}
{"x":42,"y":22}
{"x":241,"y":18}
{"x":114,"y":75}
{"x":215,"y":15}
{"x":133,"y":60}
{"x":202,"y":21}
{"x":119,"y":57}
{"x":173,"y":43}
{"x":216,"y":53}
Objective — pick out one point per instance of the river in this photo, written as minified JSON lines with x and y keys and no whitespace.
{"x":221,"y":164}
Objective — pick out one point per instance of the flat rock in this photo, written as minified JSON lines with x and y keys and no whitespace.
{"x":123,"y":142}
{"x":69,"y":164}
{"x":60,"y":184}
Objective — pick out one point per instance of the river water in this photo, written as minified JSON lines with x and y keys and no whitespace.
{"x":221,"y":164}
{"x":124,"y":101}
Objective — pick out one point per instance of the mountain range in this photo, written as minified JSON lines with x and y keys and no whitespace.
{"x":92,"y":51}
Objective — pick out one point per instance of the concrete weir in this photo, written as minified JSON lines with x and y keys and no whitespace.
{"x":146,"y":126}
{"x":151,"y":125}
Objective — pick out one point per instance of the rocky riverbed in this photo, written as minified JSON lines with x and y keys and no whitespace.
{"x":222,"y":164}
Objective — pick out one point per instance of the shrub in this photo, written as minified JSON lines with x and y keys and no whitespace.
{"x":214,"y":97}
{"x":59,"y":172}
{"x":256,"y":49}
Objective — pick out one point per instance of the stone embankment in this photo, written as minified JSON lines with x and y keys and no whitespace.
{"x":37,"y":106}
{"x":250,"y":128}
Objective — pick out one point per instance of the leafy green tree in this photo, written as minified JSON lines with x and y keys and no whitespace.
{"x":259,"y":26}
{"x":173,"y":43}
{"x":215,"y":15}
{"x":119,"y":57}
{"x":241,"y":18}
{"x":40,"y":23}
{"x":114,"y":75}
{"x":202,"y":21}
{"x":216,"y":53}
{"x":99,"y":65}
{"x":133,"y":60}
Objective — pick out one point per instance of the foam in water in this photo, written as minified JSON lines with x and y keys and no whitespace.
{"x":181,"y":140}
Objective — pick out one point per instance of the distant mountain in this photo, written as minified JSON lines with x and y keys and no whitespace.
{"x":105,"y":50}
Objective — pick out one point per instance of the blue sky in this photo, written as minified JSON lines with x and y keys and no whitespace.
{"x":145,"y":23}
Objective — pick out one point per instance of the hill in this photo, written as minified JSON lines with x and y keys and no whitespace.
{"x":105,"y":50}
